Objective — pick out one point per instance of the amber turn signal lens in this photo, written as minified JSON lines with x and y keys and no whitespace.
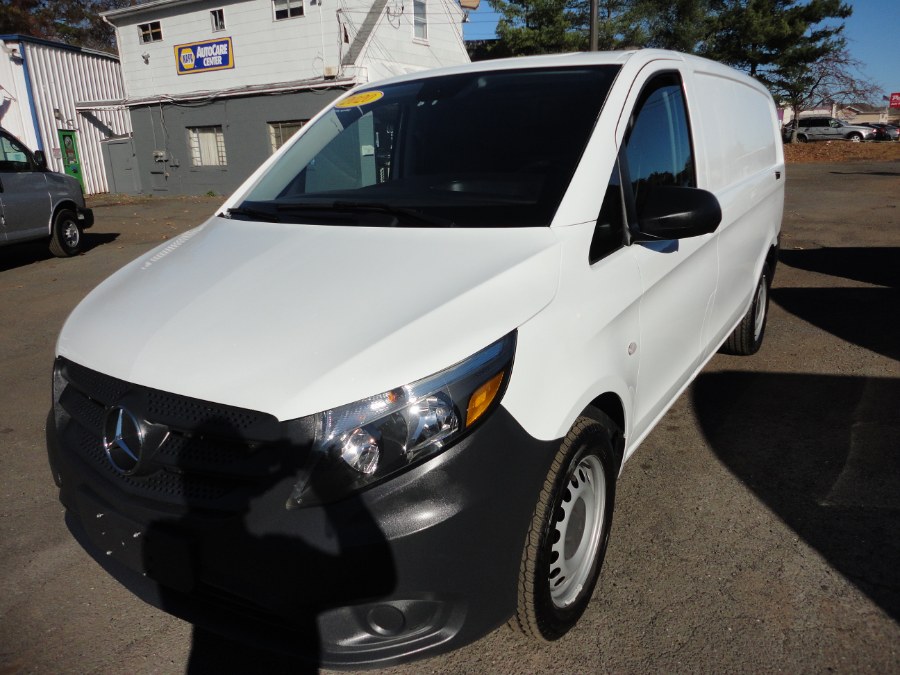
{"x":482,"y":398}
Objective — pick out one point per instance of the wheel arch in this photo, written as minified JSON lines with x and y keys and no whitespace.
{"x":772,"y":259}
{"x":61,"y":205}
{"x":611,"y":405}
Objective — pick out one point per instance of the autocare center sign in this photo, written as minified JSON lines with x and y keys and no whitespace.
{"x":895,"y":100}
{"x":201,"y":57}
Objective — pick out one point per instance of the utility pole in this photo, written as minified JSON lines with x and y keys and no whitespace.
{"x":594,"y":25}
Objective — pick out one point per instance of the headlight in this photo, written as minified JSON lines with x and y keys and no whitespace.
{"x":364,"y":442}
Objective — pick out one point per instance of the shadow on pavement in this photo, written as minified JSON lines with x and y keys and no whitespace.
{"x":867,"y":317}
{"x":867,"y":173}
{"x":822,"y":453}
{"x":26,"y":253}
{"x":879,"y":266}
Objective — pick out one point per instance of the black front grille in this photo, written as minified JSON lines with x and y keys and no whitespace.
{"x":207,"y":455}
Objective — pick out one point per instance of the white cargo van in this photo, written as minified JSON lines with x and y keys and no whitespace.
{"x":378,"y":403}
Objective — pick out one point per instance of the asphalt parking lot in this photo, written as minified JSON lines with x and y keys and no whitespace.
{"x":756,"y":530}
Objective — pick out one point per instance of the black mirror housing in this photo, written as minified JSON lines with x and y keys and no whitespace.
{"x":40,"y":160}
{"x":670,"y":212}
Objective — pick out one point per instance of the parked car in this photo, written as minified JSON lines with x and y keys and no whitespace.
{"x":377,"y":405}
{"x":879,"y":134}
{"x":884,"y":132}
{"x":36,"y":203}
{"x":831,"y":129}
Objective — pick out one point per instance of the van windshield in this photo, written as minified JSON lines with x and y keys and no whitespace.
{"x":486,"y":149}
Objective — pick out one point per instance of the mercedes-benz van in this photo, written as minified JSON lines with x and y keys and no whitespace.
{"x":376,"y":405}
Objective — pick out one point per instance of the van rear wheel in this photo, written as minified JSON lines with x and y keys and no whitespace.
{"x":65,"y":240}
{"x":569,"y":532}
{"x":748,"y":334}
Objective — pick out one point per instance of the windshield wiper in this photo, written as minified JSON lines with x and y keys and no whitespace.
{"x":249,"y":213}
{"x":400,"y":213}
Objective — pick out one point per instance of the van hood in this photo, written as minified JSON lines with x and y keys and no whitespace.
{"x":295,"y":319}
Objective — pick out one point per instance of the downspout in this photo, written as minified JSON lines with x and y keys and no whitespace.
{"x":31,"y":106}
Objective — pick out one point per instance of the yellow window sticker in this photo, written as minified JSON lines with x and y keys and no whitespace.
{"x":362,"y":98}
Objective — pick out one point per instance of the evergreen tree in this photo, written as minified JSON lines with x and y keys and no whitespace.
{"x":682,"y":25}
{"x":539,"y":26}
{"x":765,"y":37}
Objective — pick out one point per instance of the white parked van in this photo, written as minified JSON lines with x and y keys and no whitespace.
{"x":377,"y":405}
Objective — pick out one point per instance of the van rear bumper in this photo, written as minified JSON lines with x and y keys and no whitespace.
{"x":420,"y":564}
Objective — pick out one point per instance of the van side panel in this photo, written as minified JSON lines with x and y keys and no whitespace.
{"x":744,"y":167}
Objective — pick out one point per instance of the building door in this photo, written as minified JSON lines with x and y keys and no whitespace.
{"x":68,"y":143}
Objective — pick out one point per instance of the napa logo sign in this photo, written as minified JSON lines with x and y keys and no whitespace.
{"x":201,"y":57}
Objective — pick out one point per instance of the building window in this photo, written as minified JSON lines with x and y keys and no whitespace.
{"x":287,"y":9}
{"x":207,"y":146}
{"x":217,"y":19}
{"x":280,"y":132}
{"x":420,"y":21}
{"x":150,"y":32}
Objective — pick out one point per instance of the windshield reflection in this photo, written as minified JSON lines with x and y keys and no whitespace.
{"x":488,"y":149}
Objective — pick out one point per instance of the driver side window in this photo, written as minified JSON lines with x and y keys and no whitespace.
{"x":657,"y":152}
{"x":14,"y":157}
{"x":658,"y":146}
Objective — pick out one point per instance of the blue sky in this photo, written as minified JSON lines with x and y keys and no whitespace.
{"x":872,"y":32}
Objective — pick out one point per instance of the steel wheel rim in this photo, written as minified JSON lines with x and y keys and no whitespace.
{"x":759,"y":318}
{"x":577,"y":531}
{"x":70,"y":234}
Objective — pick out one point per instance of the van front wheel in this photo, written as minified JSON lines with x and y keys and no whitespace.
{"x":65,"y":240}
{"x":569,"y":532}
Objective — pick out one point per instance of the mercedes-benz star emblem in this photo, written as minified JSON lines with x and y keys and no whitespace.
{"x":123,"y":440}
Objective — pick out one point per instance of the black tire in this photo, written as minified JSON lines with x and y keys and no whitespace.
{"x":855,"y":138}
{"x":748,"y":334}
{"x":801,"y":138}
{"x":579,"y":493}
{"x":65,"y":240}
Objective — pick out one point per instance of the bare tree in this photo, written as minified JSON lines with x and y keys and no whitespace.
{"x":835,"y":78}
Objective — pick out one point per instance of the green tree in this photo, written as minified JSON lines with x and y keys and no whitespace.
{"x":682,"y":25}
{"x":74,"y":22}
{"x":539,"y":26}
{"x":767,"y":36}
{"x":618,"y":26}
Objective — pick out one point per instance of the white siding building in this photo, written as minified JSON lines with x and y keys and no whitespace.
{"x":213,"y":87}
{"x":43,"y":89}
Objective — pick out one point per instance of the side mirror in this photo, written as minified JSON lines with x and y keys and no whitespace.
{"x":668,"y":212}
{"x":40,"y":160}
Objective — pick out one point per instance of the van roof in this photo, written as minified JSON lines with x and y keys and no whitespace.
{"x":635,"y":60}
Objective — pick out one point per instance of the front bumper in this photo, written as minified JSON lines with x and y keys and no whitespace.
{"x":420,"y":564}
{"x":85,"y":217}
